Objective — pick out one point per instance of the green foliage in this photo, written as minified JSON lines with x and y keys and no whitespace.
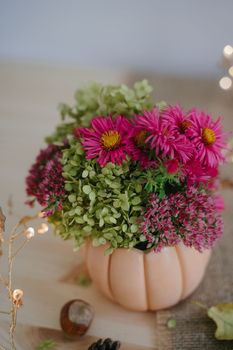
{"x":97,"y":99}
{"x":84,"y":280}
{"x":46,"y":344}
{"x":222,"y":314}
{"x":159,"y":181}
{"x":171,"y":323}
{"x":101,"y":203}
{"x":105,"y":204}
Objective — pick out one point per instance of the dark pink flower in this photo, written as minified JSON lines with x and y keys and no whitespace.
{"x":163,"y":138}
{"x":106,"y":139}
{"x":172,"y":166}
{"x":190,"y":217}
{"x":208,"y":138}
{"x":219,"y":203}
{"x":45,"y":182}
{"x":178,"y":119}
{"x":138,"y":148}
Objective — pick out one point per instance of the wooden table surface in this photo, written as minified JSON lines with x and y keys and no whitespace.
{"x":48,"y":268}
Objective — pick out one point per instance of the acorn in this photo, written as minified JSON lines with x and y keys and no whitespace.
{"x":76,"y":317}
{"x":107,"y":344}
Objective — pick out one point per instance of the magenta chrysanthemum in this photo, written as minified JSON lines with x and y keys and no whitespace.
{"x":106,"y":139}
{"x":179,"y":121}
{"x":189,"y":217}
{"x":208,"y":138}
{"x":163,"y":138}
{"x":138,"y":147}
{"x":45,"y":182}
{"x":195,"y":172}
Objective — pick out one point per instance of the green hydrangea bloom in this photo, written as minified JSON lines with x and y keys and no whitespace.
{"x":101,"y":203}
{"x":97,"y":99}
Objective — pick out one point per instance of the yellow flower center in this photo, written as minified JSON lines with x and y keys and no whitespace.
{"x":140,"y":138}
{"x":110,"y":139}
{"x":208,"y":136}
{"x":185,"y":125}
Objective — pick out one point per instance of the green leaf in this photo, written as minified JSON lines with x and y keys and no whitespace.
{"x":87,"y":228}
{"x":68,"y":187}
{"x":72,"y":198}
{"x":134,"y":228}
{"x":87,"y":189}
{"x":108,"y":251}
{"x":85,"y":173}
{"x":92,"y":196}
{"x":117,"y":204}
{"x":79,"y":220}
{"x":138,"y":187}
{"x":142,"y":238}
{"x":102,"y":240}
{"x":84,"y":280}
{"x":222,"y":314}
{"x":124,"y":201}
{"x":124,"y":228}
{"x":46,"y":344}
{"x":78,"y":210}
{"x":113,"y":220}
{"x":95,"y":242}
{"x":171,"y":323}
{"x":136,"y":200}
{"x":161,"y":105}
{"x":101,"y":222}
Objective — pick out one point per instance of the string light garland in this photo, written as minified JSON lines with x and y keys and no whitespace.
{"x":225,"y":82}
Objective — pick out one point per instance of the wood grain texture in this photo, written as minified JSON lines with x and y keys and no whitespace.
{"x":28,"y":338}
{"x":48,"y":268}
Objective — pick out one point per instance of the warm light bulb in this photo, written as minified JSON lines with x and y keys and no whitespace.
{"x":43,"y":228}
{"x":228,"y":50}
{"x":230,"y":71}
{"x":225,"y":83}
{"x":30,"y":232}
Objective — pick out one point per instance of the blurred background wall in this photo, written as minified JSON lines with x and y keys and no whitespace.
{"x":167,"y":36}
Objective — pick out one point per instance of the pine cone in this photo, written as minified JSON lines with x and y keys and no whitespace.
{"x":106,"y":344}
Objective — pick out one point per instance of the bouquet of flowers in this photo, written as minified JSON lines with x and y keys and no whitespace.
{"x":124,"y":171}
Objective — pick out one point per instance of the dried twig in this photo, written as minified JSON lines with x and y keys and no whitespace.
{"x":226,"y":183}
{"x":21,"y":230}
{"x":10,"y":205}
{"x":2,"y":229}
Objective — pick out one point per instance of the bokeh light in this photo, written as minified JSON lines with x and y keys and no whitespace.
{"x":225,"y":83}
{"x":228,"y":51}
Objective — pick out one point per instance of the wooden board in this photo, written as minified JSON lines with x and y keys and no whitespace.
{"x":28,"y":338}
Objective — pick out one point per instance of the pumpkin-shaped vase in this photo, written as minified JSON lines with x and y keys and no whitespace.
{"x":143,"y":281}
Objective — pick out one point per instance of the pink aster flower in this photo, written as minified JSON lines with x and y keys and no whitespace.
{"x":163,"y":138}
{"x":195,"y":172}
{"x":106,"y":139}
{"x":178,"y":119}
{"x":208,"y":138}
{"x":138,"y":147}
